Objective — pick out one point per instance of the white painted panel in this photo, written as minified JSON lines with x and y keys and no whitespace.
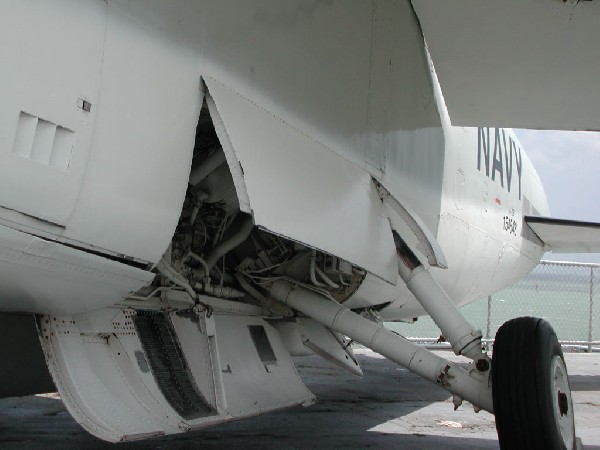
{"x":352,"y":74}
{"x":92,"y":361}
{"x":301,"y":189}
{"x":328,"y":344}
{"x":252,"y":386}
{"x":45,"y":277}
{"x":100,"y":382}
{"x":44,"y":136}
{"x":140,"y":159}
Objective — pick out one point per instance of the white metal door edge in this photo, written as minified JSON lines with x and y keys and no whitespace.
{"x":301,"y":189}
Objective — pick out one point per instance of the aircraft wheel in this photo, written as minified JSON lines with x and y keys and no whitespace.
{"x":530,"y":388}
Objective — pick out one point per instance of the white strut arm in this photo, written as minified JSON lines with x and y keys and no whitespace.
{"x":470,"y":384}
{"x":465,"y":339}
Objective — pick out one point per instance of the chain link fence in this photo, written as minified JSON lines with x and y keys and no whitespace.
{"x":565,"y":294}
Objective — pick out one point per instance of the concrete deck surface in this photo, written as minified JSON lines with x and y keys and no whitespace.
{"x":388,"y":407}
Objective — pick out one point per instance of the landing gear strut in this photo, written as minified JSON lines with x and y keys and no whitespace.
{"x":470,"y":383}
{"x":531,"y":395}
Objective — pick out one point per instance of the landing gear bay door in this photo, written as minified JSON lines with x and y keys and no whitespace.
{"x":301,"y":189}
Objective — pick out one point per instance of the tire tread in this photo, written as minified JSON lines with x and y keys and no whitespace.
{"x":523,"y":350}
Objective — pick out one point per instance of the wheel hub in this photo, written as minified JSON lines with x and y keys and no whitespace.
{"x":562,"y":404}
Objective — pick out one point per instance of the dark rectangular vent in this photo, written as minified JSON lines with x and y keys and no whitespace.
{"x":262,"y":344}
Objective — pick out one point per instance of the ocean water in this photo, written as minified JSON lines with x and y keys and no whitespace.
{"x":558,"y":293}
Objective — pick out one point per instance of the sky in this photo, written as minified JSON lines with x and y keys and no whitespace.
{"x":568,"y":163}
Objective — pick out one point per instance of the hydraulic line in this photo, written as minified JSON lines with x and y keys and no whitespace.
{"x":313,"y":266}
{"x":165,"y":269}
{"x":229,"y":244}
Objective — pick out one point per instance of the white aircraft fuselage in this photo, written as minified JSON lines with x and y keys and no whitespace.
{"x":98,"y":117}
{"x":185,"y":187}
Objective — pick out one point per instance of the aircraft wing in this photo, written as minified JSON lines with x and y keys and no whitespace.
{"x":566,"y":236}
{"x":516,"y":63}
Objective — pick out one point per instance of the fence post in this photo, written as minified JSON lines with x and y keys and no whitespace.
{"x":591,"y":318}
{"x":488,"y":328}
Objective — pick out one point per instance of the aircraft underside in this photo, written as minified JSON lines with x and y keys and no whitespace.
{"x":211,"y":338}
{"x":186,"y":203}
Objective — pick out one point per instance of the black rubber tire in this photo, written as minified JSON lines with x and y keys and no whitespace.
{"x":522,"y":386}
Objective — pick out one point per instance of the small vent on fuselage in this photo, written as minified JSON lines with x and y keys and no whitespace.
{"x":44,"y":142}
